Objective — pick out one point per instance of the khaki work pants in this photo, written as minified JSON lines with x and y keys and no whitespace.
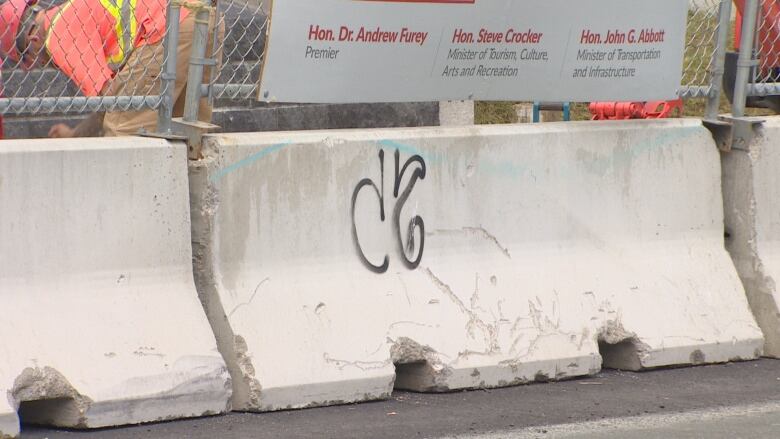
{"x":141,"y":75}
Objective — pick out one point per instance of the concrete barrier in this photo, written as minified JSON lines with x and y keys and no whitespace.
{"x":751,"y":186}
{"x":337,"y":265}
{"x":101,"y":324}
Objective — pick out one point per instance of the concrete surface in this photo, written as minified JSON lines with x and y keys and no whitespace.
{"x":545,"y":249}
{"x":752,"y":421}
{"x":456,"y":113}
{"x":750,"y":389}
{"x":101,"y":321}
{"x":752,"y":214}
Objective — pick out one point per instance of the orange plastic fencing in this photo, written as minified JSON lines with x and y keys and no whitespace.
{"x":635,"y":110}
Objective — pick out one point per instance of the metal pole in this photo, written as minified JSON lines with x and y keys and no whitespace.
{"x":168,"y":77}
{"x":745,"y":63}
{"x":215,"y":51}
{"x":719,"y":60}
{"x":197,"y":61}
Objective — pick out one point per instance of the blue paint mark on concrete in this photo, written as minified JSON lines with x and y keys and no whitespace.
{"x":505,"y":168}
{"x":664,"y":138}
{"x":407,"y":149}
{"x":247,"y":161}
{"x":618,"y":156}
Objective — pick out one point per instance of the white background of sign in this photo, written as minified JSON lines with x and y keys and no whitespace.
{"x":360,"y":71}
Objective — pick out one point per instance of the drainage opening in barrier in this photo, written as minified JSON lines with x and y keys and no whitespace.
{"x":46,"y":397}
{"x":417,"y":376}
{"x":413,"y":369}
{"x":52,"y":412}
{"x":622,"y":355}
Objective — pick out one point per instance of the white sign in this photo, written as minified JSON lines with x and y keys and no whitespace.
{"x":422,"y":50}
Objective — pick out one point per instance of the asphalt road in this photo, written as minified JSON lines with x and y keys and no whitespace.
{"x":752,"y":421}
{"x":724,"y":401}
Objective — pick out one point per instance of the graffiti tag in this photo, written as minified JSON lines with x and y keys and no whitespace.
{"x":415,"y":224}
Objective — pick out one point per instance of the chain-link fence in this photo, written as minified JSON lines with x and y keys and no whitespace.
{"x":766,"y":49}
{"x":57,"y":83}
{"x":243,"y":46}
{"x":700,"y":48}
{"x":45,"y":85}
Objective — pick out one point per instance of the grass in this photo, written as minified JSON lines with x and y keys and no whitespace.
{"x":486,"y":113}
{"x":696,"y":62}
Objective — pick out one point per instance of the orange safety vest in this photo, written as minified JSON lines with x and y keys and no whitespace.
{"x":91,"y":40}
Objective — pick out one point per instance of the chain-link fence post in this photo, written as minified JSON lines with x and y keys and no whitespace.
{"x":168,"y":76}
{"x":189,"y":125}
{"x":746,"y":61}
{"x":197,"y":62}
{"x":719,"y":59}
{"x":217,"y":40}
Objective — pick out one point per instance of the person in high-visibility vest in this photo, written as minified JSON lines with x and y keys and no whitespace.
{"x":94,"y":43}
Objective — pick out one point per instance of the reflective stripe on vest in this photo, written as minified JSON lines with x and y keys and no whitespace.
{"x":54,"y":20}
{"x":126,"y":28}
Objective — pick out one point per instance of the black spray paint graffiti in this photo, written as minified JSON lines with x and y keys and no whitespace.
{"x":415,"y":223}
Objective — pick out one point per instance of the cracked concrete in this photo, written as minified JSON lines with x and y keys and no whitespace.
{"x":606,"y":247}
{"x":102,"y":322}
{"x":204,"y":204}
{"x":619,"y":348}
{"x":488,"y":331}
{"x":418,"y":367}
{"x":362,"y":365}
{"x":752,"y":219}
{"x":405,"y":350}
{"x":251,"y":298}
{"x":50,"y":398}
{"x":487,"y":235}
{"x":244,"y":363}
{"x":476,"y":231}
